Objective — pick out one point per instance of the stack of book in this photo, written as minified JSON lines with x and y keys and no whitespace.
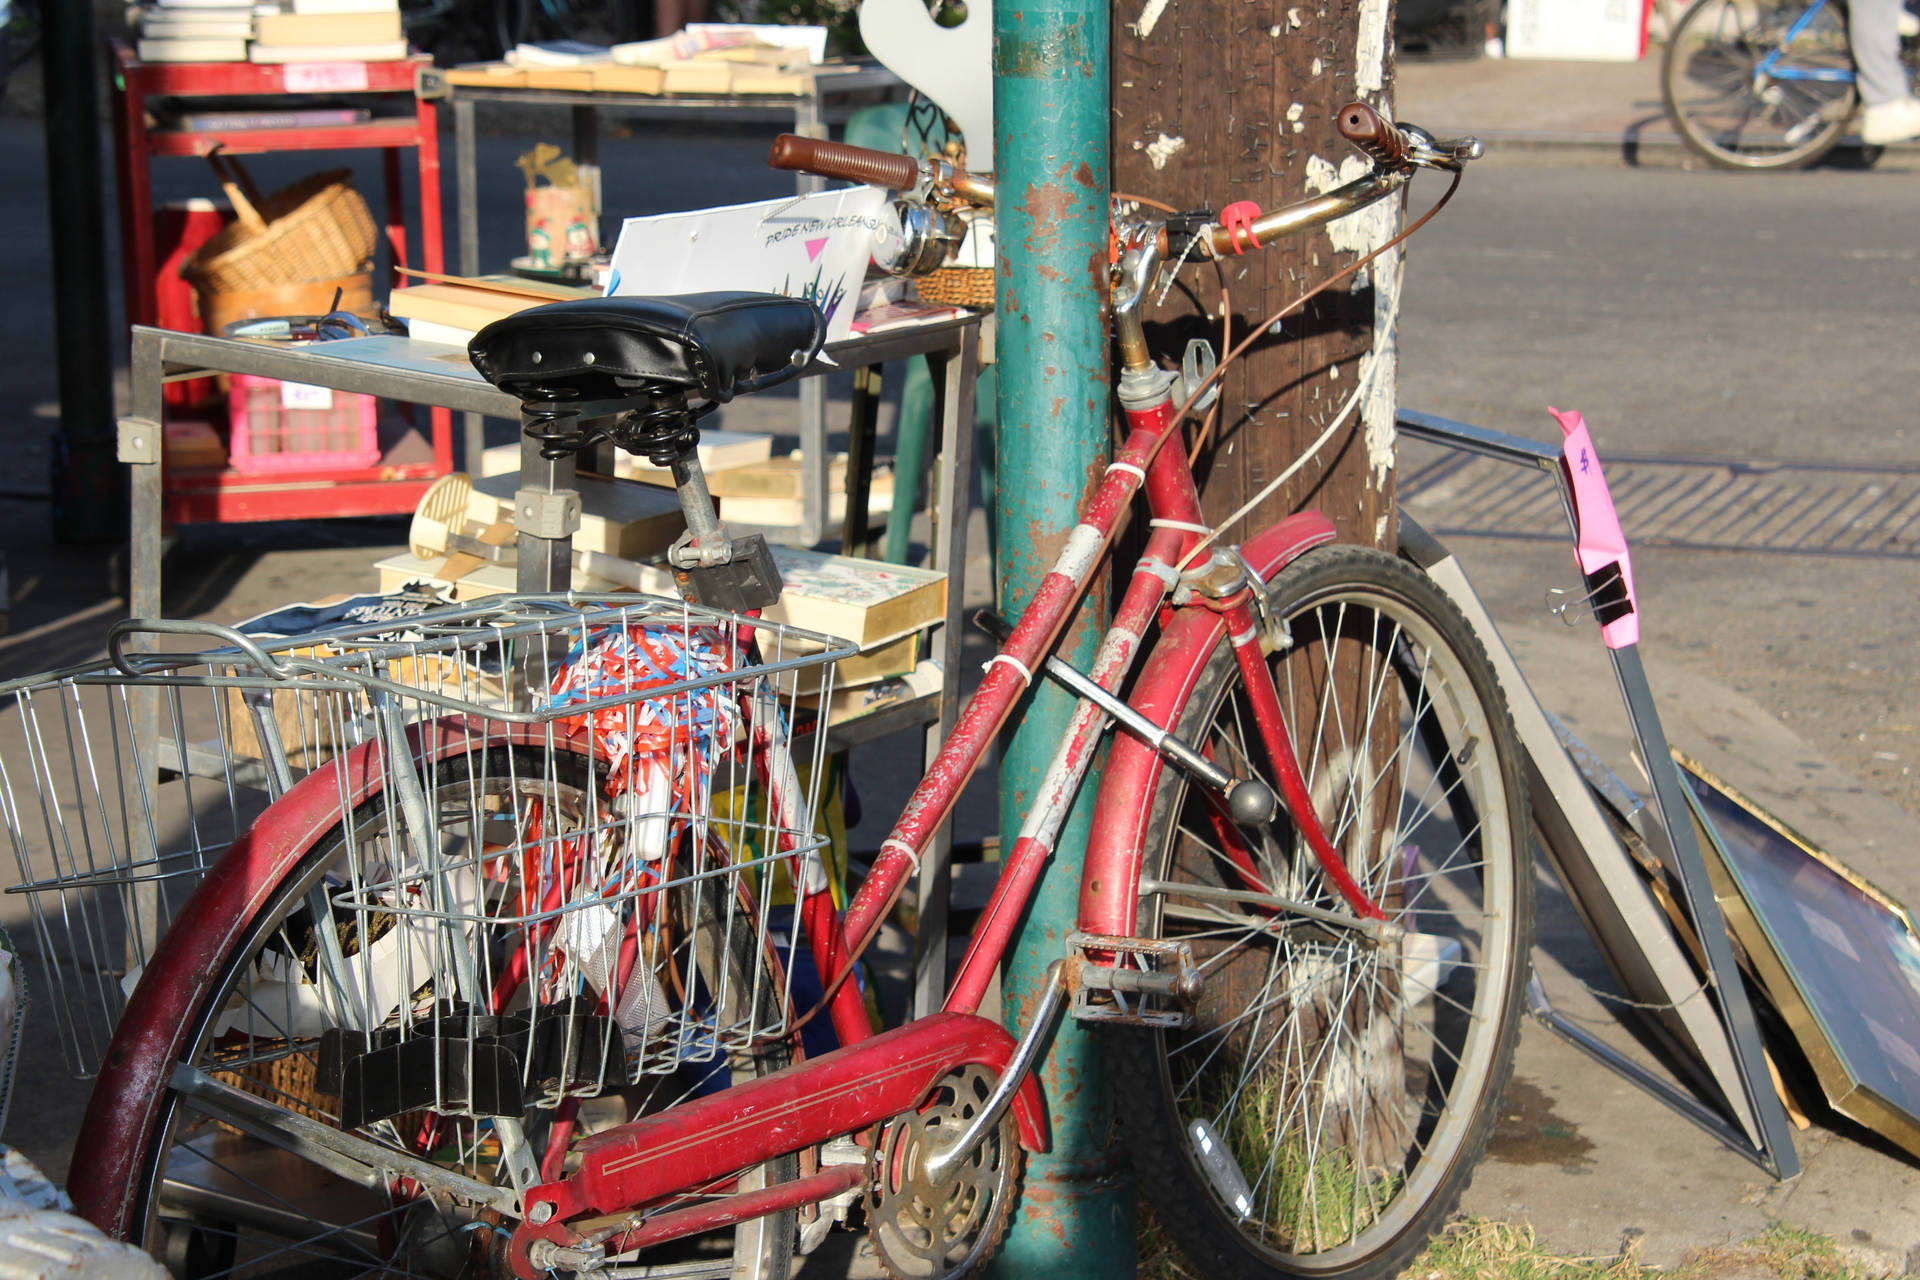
{"x":751,"y":488}
{"x":192,"y":30}
{"x":329,"y":31}
{"x":885,"y":609}
{"x":452,"y":309}
{"x":771,"y":494}
{"x":706,"y":58}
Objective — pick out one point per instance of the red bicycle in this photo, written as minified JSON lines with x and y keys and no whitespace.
{"x":501,"y":982}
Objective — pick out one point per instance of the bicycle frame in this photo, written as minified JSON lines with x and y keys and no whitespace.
{"x":878,"y":1076}
{"x":1770,"y":66}
{"x":600,"y":1209}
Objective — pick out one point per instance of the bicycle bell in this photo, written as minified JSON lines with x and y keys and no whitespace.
{"x":915,"y":239}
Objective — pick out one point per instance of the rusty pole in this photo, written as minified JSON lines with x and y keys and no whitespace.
{"x":1075,"y":1218}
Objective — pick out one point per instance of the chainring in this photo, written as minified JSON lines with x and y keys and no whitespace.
{"x":922,"y":1230}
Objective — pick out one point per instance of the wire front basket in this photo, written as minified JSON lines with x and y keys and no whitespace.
{"x":520,"y":850}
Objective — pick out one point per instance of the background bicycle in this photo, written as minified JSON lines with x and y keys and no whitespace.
{"x":1760,"y":84}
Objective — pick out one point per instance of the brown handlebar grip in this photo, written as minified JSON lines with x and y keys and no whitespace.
{"x":1361,"y":125}
{"x":838,"y":160}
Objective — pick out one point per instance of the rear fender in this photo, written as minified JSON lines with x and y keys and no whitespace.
{"x":1107,"y":897}
{"x":106,"y":1183}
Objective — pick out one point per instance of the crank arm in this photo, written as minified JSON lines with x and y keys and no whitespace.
{"x":940,"y":1163}
{"x":1250,"y":801}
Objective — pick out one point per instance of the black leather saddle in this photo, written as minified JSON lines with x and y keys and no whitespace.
{"x":712,"y":346}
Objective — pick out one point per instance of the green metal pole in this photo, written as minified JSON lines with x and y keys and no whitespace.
{"x":1050,"y":149}
{"x":89,"y":502}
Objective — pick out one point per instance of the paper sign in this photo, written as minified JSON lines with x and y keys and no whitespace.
{"x":813,"y":247}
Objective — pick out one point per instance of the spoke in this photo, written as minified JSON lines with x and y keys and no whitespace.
{"x":1338,"y":1075}
{"x":301,"y":1212}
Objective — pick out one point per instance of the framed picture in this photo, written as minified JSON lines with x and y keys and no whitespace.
{"x":1839,"y":958}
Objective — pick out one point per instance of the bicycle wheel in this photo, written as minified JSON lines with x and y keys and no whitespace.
{"x":1742,"y":111}
{"x":1326,"y":1107}
{"x":218,"y":1202}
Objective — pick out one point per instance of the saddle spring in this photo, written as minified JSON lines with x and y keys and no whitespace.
{"x":662,"y":427}
{"x":551,"y":415}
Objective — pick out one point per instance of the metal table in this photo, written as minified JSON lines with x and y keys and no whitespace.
{"x":441,"y":376}
{"x":808,"y":113}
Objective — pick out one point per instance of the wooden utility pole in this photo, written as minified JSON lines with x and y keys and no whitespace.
{"x":1217,"y":101}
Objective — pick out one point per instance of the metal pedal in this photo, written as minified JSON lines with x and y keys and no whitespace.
{"x":750,"y":580}
{"x":1141,"y":982}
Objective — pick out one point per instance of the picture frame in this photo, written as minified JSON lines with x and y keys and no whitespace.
{"x":1838,"y":957}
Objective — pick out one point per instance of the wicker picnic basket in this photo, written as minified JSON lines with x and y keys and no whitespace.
{"x":317,"y":229}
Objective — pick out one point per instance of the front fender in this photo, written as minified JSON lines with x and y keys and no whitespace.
{"x":106,"y":1175}
{"x":1107,"y":898}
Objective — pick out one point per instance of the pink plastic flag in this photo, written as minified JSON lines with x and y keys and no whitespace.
{"x":1599,"y":546}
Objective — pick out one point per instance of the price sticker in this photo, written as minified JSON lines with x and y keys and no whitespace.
{"x":298,"y":395}
{"x":326,"y":77}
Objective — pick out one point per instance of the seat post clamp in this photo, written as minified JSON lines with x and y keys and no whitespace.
{"x":139,"y":441}
{"x":547,"y":513}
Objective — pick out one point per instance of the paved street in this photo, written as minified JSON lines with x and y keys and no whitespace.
{"x":1744,"y":326}
{"x":1760,"y":327}
{"x":1732,"y":318}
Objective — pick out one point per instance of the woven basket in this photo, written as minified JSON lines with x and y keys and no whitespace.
{"x":301,"y":298}
{"x":958,"y":287}
{"x":316,"y":229}
{"x":291,"y":1081}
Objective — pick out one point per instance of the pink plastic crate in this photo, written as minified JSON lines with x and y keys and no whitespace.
{"x":286,"y":427}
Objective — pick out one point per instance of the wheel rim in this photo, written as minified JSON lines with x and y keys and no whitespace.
{"x":221,"y":1203}
{"x":1735,"y":112}
{"x":1371,"y":1063}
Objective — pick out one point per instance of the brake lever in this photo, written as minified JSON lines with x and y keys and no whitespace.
{"x":1425,"y":151}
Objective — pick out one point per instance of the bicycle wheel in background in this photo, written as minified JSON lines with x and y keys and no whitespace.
{"x":1326,"y":1108}
{"x":1740,"y":115}
{"x":217,"y":1202}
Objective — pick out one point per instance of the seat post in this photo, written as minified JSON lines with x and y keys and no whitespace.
{"x":546,"y":507}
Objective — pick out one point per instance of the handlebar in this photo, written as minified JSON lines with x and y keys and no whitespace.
{"x":1395,"y":149}
{"x":887,"y":169}
{"x":844,"y":161}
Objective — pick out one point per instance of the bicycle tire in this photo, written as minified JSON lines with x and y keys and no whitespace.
{"x":192,"y":1213}
{"x":1264,"y":1134}
{"x":1725,"y":110}
{"x":512,"y":23}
